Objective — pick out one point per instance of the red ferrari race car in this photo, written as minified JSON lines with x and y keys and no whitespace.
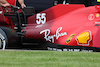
{"x":70,"y":27}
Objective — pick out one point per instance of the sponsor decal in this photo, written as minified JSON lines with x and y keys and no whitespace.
{"x":70,"y":38}
{"x":97,"y":22}
{"x":70,"y":49}
{"x":97,"y":15}
{"x":41,"y":18}
{"x":91,"y":17}
{"x":84,"y":38}
{"x":51,"y":38}
{"x":38,"y":26}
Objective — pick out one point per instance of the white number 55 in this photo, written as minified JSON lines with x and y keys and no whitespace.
{"x":41,"y":18}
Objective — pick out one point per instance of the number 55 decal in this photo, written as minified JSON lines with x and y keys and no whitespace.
{"x":41,"y":18}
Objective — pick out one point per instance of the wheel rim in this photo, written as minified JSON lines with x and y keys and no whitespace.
{"x":2,"y":41}
{"x":4,"y":44}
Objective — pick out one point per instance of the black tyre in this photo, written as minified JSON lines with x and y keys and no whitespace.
{"x":3,"y":39}
{"x":12,"y":38}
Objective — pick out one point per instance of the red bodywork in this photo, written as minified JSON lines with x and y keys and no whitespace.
{"x":73,"y":25}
